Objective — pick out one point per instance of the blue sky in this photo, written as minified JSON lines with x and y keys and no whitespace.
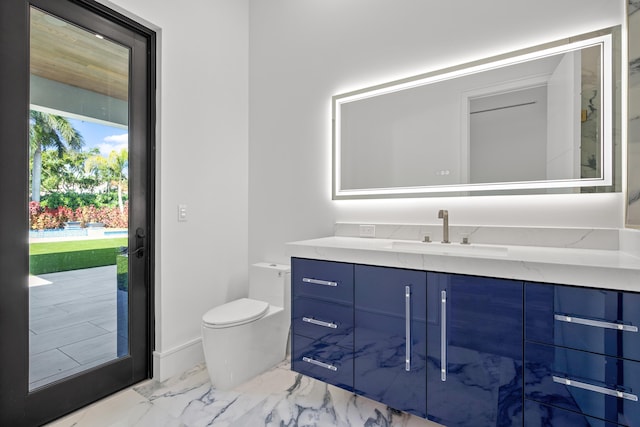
{"x":105,"y":138}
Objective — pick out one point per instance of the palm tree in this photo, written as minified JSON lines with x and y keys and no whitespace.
{"x":46,"y":131}
{"x":118,"y":164}
{"x":113,"y":169}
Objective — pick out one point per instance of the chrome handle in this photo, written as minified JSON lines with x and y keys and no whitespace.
{"x":319,"y":282}
{"x":597,"y":389}
{"x":596,"y":323}
{"x":443,"y":336}
{"x":407,"y":328}
{"x":319,"y":322}
{"x":321,"y":364}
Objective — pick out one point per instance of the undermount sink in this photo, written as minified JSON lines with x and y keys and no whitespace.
{"x":450,"y":248}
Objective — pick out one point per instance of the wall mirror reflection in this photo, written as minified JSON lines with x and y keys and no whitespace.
{"x":537,"y":120}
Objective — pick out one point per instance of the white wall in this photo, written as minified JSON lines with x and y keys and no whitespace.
{"x":244,"y":129}
{"x":202,"y":162}
{"x":304,"y":51}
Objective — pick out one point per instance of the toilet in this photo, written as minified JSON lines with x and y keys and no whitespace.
{"x":248,"y":336}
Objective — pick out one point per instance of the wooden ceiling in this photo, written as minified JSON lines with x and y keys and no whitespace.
{"x":71,"y":55}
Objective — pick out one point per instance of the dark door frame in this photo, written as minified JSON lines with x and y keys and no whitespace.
{"x":17,"y":405}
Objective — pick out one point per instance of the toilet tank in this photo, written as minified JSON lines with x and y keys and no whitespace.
{"x":271,"y":283}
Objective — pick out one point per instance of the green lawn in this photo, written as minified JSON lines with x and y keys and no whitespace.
{"x":75,"y":245}
{"x":50,"y":257}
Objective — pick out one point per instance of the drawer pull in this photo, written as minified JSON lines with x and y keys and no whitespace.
{"x":597,"y":389}
{"x":321,"y":364}
{"x":407,"y":328}
{"x":319,"y":322}
{"x":443,"y":336}
{"x":319,"y":282}
{"x":596,"y":323}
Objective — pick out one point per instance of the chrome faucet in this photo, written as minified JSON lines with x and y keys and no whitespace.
{"x":444,"y":215}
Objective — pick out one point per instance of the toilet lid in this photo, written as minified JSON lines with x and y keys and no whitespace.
{"x":243,"y":310}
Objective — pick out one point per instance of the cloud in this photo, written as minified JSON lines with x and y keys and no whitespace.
{"x":120,"y":139}
{"x":114,"y":143}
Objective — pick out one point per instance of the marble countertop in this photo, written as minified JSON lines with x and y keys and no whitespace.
{"x":600,"y":268}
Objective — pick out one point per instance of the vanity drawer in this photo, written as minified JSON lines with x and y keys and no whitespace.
{"x":329,"y":322}
{"x":596,"y":320}
{"x":329,"y":363}
{"x":539,"y":415}
{"x":332,"y":281}
{"x":588,"y":383}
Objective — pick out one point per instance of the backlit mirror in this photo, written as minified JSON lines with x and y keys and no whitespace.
{"x":536,"y":120}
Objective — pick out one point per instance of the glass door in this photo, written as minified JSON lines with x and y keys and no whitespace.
{"x":78,"y":199}
{"x":78,"y":313}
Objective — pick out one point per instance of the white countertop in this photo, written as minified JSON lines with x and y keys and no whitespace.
{"x":609,"y":269}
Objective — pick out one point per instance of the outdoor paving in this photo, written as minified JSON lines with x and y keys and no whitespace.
{"x":72,"y":323}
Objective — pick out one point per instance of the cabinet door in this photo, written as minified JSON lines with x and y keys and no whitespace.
{"x":475,"y":338}
{"x":596,"y":320}
{"x":587,"y":383}
{"x":327,"y":280}
{"x":390,"y":337}
{"x":538,"y":415}
{"x":325,"y":362}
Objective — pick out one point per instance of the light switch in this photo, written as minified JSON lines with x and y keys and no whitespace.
{"x":182,"y":213}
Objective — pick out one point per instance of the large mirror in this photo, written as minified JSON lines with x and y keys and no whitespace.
{"x":536,"y":120}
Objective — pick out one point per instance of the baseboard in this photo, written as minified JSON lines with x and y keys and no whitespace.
{"x":177,"y":360}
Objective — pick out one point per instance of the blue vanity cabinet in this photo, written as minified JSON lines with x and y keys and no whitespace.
{"x":390,"y":337}
{"x":474,"y":349}
{"x":596,"y":320}
{"x":581,"y":354}
{"x":322,"y":320}
{"x":536,"y":414}
{"x":591,"y":384}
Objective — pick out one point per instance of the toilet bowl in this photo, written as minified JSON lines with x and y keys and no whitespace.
{"x":248,"y":336}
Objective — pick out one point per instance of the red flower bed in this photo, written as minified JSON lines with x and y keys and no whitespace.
{"x":41,"y":218}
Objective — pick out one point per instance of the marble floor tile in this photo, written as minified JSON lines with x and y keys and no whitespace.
{"x":279,"y":397}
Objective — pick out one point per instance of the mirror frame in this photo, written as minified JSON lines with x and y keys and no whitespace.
{"x":603,"y":38}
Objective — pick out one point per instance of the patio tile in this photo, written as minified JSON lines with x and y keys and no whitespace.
{"x":64,"y":320}
{"x":103,"y":303}
{"x":108,"y":323}
{"x":73,"y":323}
{"x":39,"y":311}
{"x":65,"y":336}
{"x":98,"y":348}
{"x":95,"y":291}
{"x":48,"y":363}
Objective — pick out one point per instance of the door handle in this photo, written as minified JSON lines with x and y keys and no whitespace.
{"x":319,"y":322}
{"x":602,"y":390}
{"x":596,"y":323}
{"x":140,"y":236}
{"x":407,"y":328}
{"x":443,"y":335}
{"x":319,"y":282}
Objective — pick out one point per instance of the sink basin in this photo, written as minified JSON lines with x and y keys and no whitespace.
{"x":450,"y":248}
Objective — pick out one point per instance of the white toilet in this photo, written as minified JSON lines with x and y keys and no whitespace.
{"x":246,"y":337}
